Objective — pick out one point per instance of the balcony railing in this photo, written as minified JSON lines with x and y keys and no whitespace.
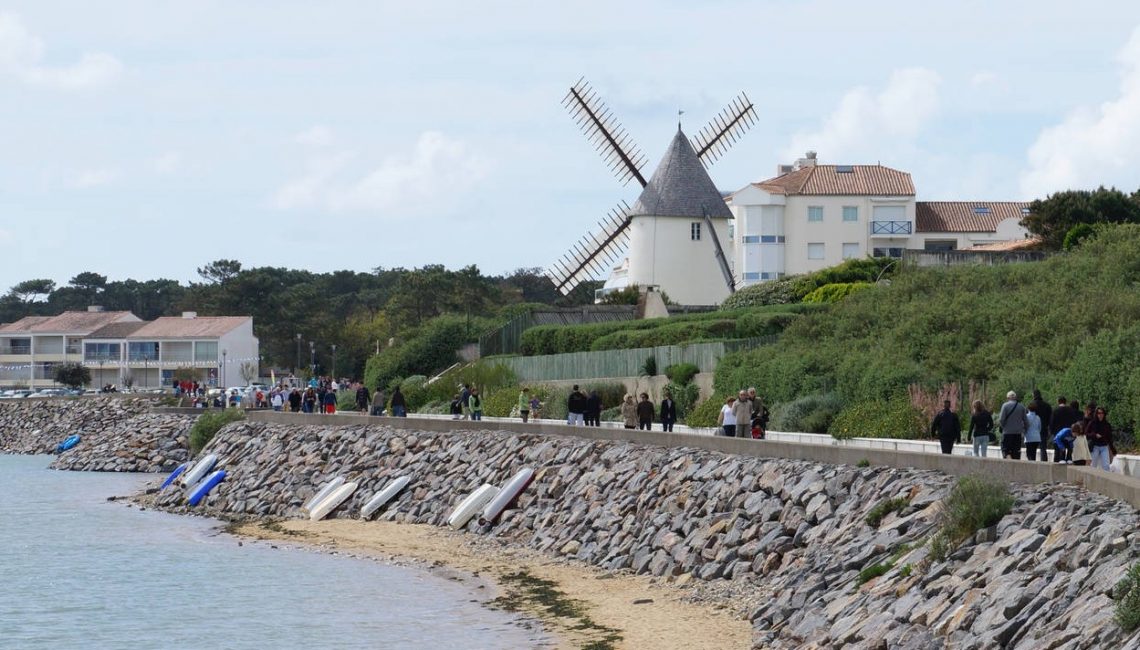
{"x":74,"y":349}
{"x":891,"y":227}
{"x":16,"y":349}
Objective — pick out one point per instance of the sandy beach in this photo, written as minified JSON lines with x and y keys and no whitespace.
{"x":580,"y":607}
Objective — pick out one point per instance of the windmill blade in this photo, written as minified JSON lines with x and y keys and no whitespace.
{"x":594,"y":254}
{"x":724,"y":129}
{"x":603,"y":131}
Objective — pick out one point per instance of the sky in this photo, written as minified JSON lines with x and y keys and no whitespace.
{"x":146,"y":138}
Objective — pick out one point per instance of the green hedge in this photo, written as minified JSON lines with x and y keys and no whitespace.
{"x":209,"y":423}
{"x":794,"y":289}
{"x":879,"y":419}
{"x":835,"y":291}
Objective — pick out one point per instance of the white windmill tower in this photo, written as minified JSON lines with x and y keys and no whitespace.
{"x":675,"y":230}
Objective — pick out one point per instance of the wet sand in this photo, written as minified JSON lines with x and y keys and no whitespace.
{"x":579,"y":606}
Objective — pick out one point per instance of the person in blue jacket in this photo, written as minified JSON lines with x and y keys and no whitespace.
{"x":1063,"y":442}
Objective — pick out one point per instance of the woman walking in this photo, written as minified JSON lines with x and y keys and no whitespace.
{"x":1099,"y":433}
{"x":727,"y":419}
{"x":981,"y":428}
{"x":629,"y":412}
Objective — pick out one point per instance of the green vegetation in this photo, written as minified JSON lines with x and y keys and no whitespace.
{"x":1065,"y":325}
{"x":976,"y":502}
{"x":795,"y":288}
{"x":644,"y":333}
{"x":863,"y":462}
{"x":835,"y":291}
{"x":525,"y":592}
{"x":706,"y":412}
{"x":884,"y":508}
{"x":1063,"y":219}
{"x":72,"y":375}
{"x":1126,"y":593}
{"x":873,"y":571}
{"x":809,"y":414}
{"x":681,"y":373}
{"x":208,"y":424}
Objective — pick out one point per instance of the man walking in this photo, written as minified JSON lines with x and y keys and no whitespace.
{"x":1013,"y":421}
{"x":576,"y":407}
{"x":668,"y":413}
{"x":946,"y":427}
{"x":742,"y":410}
{"x":1045,"y":414}
{"x":1063,"y":418}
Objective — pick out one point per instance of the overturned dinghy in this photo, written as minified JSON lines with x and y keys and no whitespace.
{"x":325,"y":490}
{"x":508,"y":495}
{"x":471,"y":505}
{"x":191,"y":477}
{"x":174,"y":475}
{"x":68,"y":443}
{"x":332,"y":501}
{"x":384,"y":496}
{"x":199,"y":491}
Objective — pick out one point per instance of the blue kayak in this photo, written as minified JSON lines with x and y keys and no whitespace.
{"x":173,"y":475}
{"x":202,"y":489}
{"x":70,"y":442}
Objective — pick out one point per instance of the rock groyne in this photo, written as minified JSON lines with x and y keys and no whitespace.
{"x":790,"y":538}
{"x":150,"y":442}
{"x":36,"y":426}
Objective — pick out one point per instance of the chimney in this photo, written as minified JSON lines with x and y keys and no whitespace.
{"x":94,"y":309}
{"x":189,"y":314}
{"x":807,"y":161}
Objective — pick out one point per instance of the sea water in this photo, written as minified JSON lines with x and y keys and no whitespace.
{"x":78,"y":571}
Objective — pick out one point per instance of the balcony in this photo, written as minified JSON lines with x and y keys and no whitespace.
{"x":16,"y":350}
{"x":891,"y":228}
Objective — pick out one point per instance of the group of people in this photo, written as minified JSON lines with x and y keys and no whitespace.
{"x":1077,"y":436}
{"x":467,"y":404}
{"x":744,"y":416}
{"x":640,"y":415}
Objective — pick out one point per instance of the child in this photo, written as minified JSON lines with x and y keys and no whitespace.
{"x":1081,"y":455}
{"x":456,"y":407}
{"x":1063,"y":442}
{"x":535,"y":405}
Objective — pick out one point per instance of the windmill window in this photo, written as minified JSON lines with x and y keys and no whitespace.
{"x":815,"y":213}
{"x":850,"y":213}
{"x":815,"y":251}
{"x":752,"y":239}
{"x":695,"y":231}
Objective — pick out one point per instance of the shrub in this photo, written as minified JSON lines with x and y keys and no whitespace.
{"x":1126,"y":593}
{"x":73,"y":375}
{"x":649,"y":368}
{"x":210,"y":423}
{"x":835,"y":292}
{"x":502,"y":402}
{"x":863,"y":462}
{"x":896,"y":418}
{"x":1076,"y":234}
{"x":423,"y":351}
{"x":808,"y":414}
{"x":685,"y":397}
{"x":884,"y":508}
{"x":681,"y":373}
{"x":762,"y":324}
{"x":873,"y":571}
{"x":705,"y":413}
{"x":346,"y":400}
{"x":976,"y":502}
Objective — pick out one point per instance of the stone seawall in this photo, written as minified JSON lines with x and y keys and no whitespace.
{"x":790,"y":534}
{"x":144,"y":443}
{"x":36,"y":426}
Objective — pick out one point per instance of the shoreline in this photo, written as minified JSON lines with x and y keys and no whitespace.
{"x":577,"y":606}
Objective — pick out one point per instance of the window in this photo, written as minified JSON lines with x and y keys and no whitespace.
{"x":752,"y":276}
{"x":142,"y":351}
{"x":100,"y":351}
{"x":815,"y":251}
{"x":771,"y":239}
{"x":695,"y":231}
{"x":752,"y":239}
{"x":850,"y":213}
{"x":206,"y":351}
{"x":982,"y":209}
{"x":815,"y":213}
{"x":18,"y":346}
{"x":845,"y":169}
{"x":939,"y":245}
{"x":771,"y":275}
{"x":850,"y":250}
{"x":888,"y":252}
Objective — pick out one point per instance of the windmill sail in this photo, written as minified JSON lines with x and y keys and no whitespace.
{"x":603,"y":131}
{"x":724,"y":130}
{"x":594,"y":254}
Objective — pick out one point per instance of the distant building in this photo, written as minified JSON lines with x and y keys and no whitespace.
{"x":812,"y":216}
{"x":118,"y":346}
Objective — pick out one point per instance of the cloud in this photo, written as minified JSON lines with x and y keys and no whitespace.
{"x":432,"y":178}
{"x":168,"y":163}
{"x":21,"y":55}
{"x":865,"y":123}
{"x":91,"y":178}
{"x":1093,"y":145}
{"x":317,"y":136}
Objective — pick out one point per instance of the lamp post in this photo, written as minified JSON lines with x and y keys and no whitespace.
{"x":334,"y":362}
{"x":146,"y":368}
{"x":312,"y":359}
{"x":297,"y":366}
{"x":224,"y":353}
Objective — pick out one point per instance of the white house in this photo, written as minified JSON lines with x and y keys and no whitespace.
{"x":813,"y":216}
{"x":116,"y":346}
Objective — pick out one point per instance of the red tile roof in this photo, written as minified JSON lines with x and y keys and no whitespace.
{"x":69,"y":322}
{"x":872,"y":180}
{"x":198,"y":327}
{"x":965,"y":216}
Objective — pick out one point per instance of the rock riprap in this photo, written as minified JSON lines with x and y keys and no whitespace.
{"x":144,"y":443}
{"x":791,"y":535}
{"x":36,"y":426}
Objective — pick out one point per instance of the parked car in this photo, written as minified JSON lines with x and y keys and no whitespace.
{"x":49,"y":392}
{"x":18,"y":393}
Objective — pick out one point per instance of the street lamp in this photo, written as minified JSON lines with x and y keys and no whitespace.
{"x":334,"y":362}
{"x":224,"y":353}
{"x":297,"y":366}
{"x":146,"y":368}
{"x":312,"y":359}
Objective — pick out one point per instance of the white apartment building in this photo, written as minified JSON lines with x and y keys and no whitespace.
{"x":814,"y":216}
{"x":119,"y":348}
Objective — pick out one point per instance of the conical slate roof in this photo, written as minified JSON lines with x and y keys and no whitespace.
{"x":680,"y":186}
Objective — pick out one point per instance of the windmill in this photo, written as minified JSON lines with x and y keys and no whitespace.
{"x":659,"y":230}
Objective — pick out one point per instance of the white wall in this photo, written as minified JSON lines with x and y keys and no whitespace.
{"x":662,"y":253}
{"x":833,"y":231}
{"x":240,"y":345}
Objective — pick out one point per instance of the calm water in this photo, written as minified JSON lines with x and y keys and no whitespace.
{"x":79,"y":571}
